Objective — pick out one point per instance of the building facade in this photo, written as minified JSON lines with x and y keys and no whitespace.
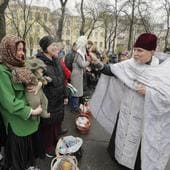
{"x":33,"y":22}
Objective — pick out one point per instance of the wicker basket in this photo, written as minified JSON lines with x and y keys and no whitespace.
{"x":85,"y":109}
{"x":83,"y":128}
{"x":88,"y":113}
{"x":64,"y":163}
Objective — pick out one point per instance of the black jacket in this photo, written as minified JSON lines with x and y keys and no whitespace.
{"x":55,"y":90}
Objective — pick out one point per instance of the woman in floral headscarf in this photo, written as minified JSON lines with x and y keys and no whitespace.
{"x":13,"y":105}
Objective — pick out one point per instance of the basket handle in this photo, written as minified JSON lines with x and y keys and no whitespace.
{"x":75,"y":162}
{"x":53,"y":161}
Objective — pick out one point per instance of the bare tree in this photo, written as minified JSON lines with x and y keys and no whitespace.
{"x":108,"y":24}
{"x":88,"y":16}
{"x":61,"y":19}
{"x":116,"y":12}
{"x":112,"y":24}
{"x":91,"y":14}
{"x":57,"y":21}
{"x":82,"y":18}
{"x":133,"y":4}
{"x":46,"y":28}
{"x":21,"y":15}
{"x":144,"y":11}
{"x":3,"y":6}
{"x":94,"y":12}
{"x":111,"y":33}
{"x":138,"y":10}
{"x":166,"y":7}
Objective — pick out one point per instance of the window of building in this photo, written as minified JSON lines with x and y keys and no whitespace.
{"x":91,"y":35}
{"x":67,"y":42}
{"x":37,"y":15}
{"x":30,"y":15}
{"x":31,"y":40}
{"x":121,"y":38}
{"x":38,"y":39}
{"x":78,"y":33}
{"x":68,"y":32}
{"x":78,"y":20}
{"x":68,"y":23}
{"x":13,"y":16}
{"x":96,"y":34}
{"x":101,"y":44}
{"x":37,"y":28}
{"x":45,"y":17}
{"x":102,"y":34}
{"x":95,"y":43}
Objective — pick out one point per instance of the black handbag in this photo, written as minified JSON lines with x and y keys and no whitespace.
{"x":2,"y":132}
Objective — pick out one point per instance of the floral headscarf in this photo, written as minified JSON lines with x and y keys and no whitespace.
{"x":20,"y":74}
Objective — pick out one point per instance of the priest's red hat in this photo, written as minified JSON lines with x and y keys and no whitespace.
{"x":147,"y":41}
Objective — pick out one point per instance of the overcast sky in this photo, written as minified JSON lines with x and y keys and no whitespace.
{"x":52,"y":5}
{"x":71,"y":5}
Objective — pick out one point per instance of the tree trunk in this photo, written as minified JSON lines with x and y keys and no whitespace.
{"x":114,"y":37}
{"x":82,"y":18}
{"x":167,"y":32}
{"x":61,"y":20}
{"x":109,"y":45}
{"x":115,"y":28}
{"x":60,"y":25}
{"x":166,"y":40}
{"x":105,"y":37}
{"x":131,"y":26}
{"x":3,"y":6}
{"x":92,"y":28}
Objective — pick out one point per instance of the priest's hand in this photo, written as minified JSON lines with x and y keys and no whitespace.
{"x":140,"y":89}
{"x":94,"y":58}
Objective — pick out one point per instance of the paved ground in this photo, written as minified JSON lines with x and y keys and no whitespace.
{"x":95,"y":156}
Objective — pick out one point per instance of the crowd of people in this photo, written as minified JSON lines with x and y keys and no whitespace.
{"x":31,"y":118}
{"x":31,"y":126}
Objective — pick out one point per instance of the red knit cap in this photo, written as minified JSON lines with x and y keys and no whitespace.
{"x":146,"y":41}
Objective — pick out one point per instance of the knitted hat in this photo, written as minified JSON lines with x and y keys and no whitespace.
{"x":146,"y":41}
{"x":45,"y":42}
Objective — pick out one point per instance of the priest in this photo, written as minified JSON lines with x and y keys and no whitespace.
{"x":132,"y":103}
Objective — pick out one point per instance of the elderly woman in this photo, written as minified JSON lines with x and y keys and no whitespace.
{"x":55,"y":93}
{"x":15,"y":110}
